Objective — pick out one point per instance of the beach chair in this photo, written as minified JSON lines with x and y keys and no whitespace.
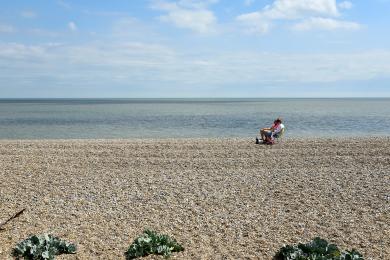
{"x":278,"y":138}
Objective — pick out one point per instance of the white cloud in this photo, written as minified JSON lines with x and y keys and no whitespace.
{"x":189,"y":14}
{"x":292,"y":10}
{"x":72,"y":26}
{"x":254,"y":23}
{"x":345,"y":5}
{"x":200,"y":20}
{"x":330,"y":24}
{"x":5,"y":28}
{"x":295,"y":9}
{"x":248,"y":2}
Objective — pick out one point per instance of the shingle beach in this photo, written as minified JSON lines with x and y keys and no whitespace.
{"x":219,"y":198}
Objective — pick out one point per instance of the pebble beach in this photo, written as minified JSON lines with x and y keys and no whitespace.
{"x":219,"y":198}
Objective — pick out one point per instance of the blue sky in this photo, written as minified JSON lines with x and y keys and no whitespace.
{"x":194,"y":48}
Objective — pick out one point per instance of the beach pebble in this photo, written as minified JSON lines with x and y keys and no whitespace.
{"x":220,"y":198}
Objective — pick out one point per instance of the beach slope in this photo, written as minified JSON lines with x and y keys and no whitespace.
{"x":220,"y":198}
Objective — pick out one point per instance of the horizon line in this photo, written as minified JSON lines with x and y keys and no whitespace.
{"x":63,"y":98}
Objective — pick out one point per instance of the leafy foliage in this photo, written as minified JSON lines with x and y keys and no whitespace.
{"x":42,"y":247}
{"x":152,"y":243}
{"x":318,"y":249}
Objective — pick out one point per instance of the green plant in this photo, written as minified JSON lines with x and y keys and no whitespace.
{"x":152,"y":243}
{"x":318,"y":249}
{"x":42,"y":247}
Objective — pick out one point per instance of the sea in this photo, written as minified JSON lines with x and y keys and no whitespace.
{"x":191,"y":118}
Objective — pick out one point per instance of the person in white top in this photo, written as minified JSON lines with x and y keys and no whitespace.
{"x":277,"y":131}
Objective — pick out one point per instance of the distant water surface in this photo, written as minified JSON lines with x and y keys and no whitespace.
{"x":167,"y":118}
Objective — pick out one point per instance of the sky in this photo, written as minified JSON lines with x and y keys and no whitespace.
{"x":194,"y":48}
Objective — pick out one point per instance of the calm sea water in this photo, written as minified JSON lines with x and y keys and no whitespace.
{"x":163,"y":118}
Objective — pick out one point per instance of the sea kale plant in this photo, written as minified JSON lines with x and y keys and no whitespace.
{"x":152,"y":243}
{"x":42,"y":247}
{"x":318,"y":249}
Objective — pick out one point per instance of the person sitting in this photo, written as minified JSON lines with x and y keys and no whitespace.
{"x":278,"y":132}
{"x":268,"y":134}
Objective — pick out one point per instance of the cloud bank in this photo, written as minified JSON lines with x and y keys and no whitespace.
{"x":141,"y":64}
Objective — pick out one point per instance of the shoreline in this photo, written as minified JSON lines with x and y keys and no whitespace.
{"x":236,"y":138}
{"x":219,"y":197}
